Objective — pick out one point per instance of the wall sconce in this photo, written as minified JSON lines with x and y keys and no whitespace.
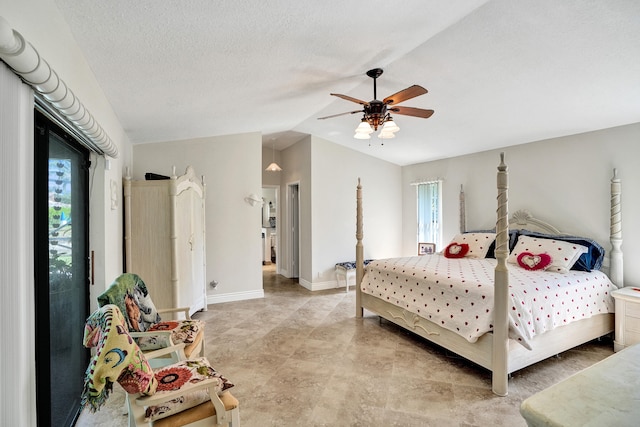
{"x":253,"y":199}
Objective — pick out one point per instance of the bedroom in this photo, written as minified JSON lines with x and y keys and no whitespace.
{"x":328,"y":182}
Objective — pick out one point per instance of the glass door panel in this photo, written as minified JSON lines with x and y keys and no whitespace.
{"x":61,"y":272}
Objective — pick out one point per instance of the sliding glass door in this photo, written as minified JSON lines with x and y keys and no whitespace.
{"x":61,"y":270}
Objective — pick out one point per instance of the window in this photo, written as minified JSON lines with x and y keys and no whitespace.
{"x":429,"y":196}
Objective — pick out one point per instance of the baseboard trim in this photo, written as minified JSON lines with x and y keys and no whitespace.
{"x":235,"y":296}
{"x":319,"y":286}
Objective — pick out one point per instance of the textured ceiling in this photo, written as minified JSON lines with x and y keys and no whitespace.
{"x":499,"y":73}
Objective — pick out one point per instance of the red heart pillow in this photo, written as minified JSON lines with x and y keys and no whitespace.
{"x":529,"y":261}
{"x":456,"y":250}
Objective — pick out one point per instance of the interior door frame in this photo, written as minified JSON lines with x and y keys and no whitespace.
{"x":293,"y":230}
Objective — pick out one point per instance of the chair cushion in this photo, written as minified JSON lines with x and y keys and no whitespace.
{"x":131,"y":296}
{"x":179,"y":376}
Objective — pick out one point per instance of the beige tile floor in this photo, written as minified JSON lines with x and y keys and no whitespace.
{"x":301,"y":358}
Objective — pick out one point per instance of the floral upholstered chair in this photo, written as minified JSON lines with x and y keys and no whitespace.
{"x":143,"y":320}
{"x":189,"y":392}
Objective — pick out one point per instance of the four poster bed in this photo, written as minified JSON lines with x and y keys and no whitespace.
{"x":451,"y":300}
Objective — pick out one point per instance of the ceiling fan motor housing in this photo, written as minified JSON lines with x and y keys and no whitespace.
{"x":375,"y":113}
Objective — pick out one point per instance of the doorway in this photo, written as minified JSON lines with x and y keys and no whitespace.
{"x":61,"y":231}
{"x":270,"y":226}
{"x":293,"y":232}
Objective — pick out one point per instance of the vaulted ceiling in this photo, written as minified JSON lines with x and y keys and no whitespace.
{"x":498,"y":72}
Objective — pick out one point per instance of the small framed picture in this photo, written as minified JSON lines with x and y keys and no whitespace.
{"x":426,"y":248}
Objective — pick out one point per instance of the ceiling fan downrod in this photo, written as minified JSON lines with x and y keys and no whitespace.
{"x":374,"y":74}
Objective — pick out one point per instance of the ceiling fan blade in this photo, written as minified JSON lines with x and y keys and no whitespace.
{"x":403,"y":95}
{"x":341,"y":114}
{"x":410,"y":111}
{"x":348,"y":98}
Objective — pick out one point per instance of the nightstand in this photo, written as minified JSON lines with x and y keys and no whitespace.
{"x":627,"y":317}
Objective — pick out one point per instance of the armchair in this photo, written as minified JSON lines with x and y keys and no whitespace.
{"x":189,"y":392}
{"x":143,"y":320}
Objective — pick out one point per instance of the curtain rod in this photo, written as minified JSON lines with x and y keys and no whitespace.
{"x":426,"y":181}
{"x":26,"y":62}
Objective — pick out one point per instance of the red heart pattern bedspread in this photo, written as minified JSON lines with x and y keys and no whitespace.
{"x":457,"y":294}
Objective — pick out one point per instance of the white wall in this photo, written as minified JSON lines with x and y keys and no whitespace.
{"x":564,"y":181}
{"x":327,"y":175}
{"x":232,"y":169}
{"x":296,"y":165}
{"x":335,"y":172}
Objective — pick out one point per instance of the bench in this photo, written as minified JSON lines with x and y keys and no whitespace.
{"x":347,"y":271}
{"x":605,"y":394}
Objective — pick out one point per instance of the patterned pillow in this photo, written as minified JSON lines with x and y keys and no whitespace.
{"x":479,"y":243}
{"x":563,"y":254}
{"x":530,"y":261}
{"x":182,"y":331}
{"x":456,"y":250}
{"x":180,"y":376}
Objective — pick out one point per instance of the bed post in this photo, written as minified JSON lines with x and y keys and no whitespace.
{"x":500,"y":361}
{"x":463,"y":217}
{"x":615,"y":233}
{"x":359,"y":250}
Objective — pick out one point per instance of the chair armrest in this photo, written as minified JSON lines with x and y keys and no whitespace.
{"x":163,"y":339}
{"x":136,"y":334}
{"x":184,"y":310}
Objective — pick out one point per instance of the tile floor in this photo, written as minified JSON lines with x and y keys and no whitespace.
{"x":301,"y":358}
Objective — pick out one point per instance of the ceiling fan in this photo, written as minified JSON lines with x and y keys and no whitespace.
{"x":378,"y":113}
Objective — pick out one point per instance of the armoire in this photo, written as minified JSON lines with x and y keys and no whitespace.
{"x":164,"y":237}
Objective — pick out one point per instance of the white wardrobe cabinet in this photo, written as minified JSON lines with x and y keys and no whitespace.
{"x":165,"y":238}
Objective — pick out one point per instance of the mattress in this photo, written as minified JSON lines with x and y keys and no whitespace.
{"x":457,"y":294}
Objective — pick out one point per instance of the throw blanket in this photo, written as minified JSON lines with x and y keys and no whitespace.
{"x":117,"y":358}
{"x":131,"y":296}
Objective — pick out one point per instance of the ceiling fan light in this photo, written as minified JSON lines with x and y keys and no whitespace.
{"x":273,"y":167}
{"x":364,"y":127}
{"x":390,"y":126}
{"x":386,"y":135}
{"x":362,"y":135}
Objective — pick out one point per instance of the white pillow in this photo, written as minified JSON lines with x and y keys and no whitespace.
{"x":563,"y":254}
{"x":478,"y":243}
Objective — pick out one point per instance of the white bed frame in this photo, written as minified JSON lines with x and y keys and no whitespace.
{"x":495,"y":351}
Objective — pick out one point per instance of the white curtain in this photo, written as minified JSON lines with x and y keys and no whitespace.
{"x":17,"y":346}
{"x":430,"y":213}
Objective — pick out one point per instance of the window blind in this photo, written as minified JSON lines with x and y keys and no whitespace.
{"x":54,"y":97}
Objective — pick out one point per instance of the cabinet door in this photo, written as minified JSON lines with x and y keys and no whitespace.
{"x":190,"y":250}
{"x":184,"y":249}
{"x":149,"y":248}
{"x":198,"y":258}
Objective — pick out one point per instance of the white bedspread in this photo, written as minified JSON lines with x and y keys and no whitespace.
{"x":457,"y":294}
